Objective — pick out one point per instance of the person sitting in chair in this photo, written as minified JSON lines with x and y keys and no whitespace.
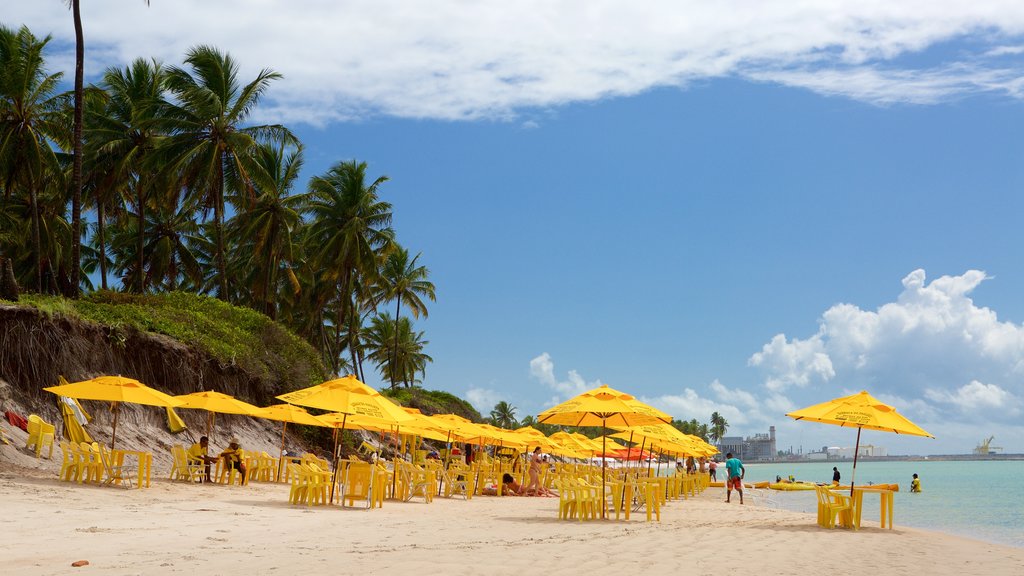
{"x":199,"y":452}
{"x":233,"y":459}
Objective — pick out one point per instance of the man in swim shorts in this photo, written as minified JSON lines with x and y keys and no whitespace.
{"x":736,"y":474}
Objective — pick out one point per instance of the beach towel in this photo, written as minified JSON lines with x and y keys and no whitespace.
{"x":17,"y":420}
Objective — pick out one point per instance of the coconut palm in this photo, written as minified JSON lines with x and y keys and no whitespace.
{"x":30,"y":119}
{"x":396,"y":348}
{"x":504,"y":415}
{"x":123,"y":136}
{"x":265,"y":234}
{"x":403,"y":281}
{"x":76,"y":171}
{"x":349,"y":230}
{"x":718,"y":427}
{"x":210,"y":142}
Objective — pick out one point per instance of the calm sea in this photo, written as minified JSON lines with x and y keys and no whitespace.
{"x":978,"y":499}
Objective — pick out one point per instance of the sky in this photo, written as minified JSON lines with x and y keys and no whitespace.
{"x":741,"y":206}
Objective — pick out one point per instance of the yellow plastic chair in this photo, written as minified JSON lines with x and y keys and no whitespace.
{"x":832,"y":506}
{"x":69,"y":466}
{"x":40,"y":435}
{"x":418,"y":482}
{"x":299,"y":483}
{"x":227,"y":474}
{"x":91,"y":464}
{"x":184,"y":469}
{"x":359,"y":477}
{"x":117,"y":472}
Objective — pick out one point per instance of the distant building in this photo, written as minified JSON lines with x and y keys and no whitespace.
{"x":756,"y":448}
{"x":846,"y":453}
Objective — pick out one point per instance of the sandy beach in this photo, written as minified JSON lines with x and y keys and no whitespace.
{"x":176,"y":528}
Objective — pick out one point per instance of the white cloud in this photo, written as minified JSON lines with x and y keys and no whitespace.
{"x":977,"y":399}
{"x":934,"y":353}
{"x":542,"y":368}
{"x":491,"y":59}
{"x":793,"y":363}
{"x":484,"y":399}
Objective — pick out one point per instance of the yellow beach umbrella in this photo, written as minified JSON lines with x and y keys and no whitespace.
{"x":286,"y":414}
{"x":114,"y":389}
{"x":351,"y":398}
{"x":602,"y":406}
{"x":456,"y":427}
{"x":213,"y":403}
{"x":859,"y":411}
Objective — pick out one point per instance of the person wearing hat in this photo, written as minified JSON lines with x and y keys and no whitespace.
{"x":233,"y":458}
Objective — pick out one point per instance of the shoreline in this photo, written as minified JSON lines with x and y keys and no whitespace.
{"x":176,"y":528}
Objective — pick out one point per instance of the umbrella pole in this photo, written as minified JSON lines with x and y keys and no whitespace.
{"x":394,"y":477}
{"x":604,"y":450}
{"x":622,"y":504}
{"x":639,"y":458}
{"x":113,"y":435}
{"x":856,"y":449}
{"x":280,"y":457}
{"x":334,"y":480}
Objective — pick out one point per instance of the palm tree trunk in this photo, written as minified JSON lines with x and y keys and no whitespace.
{"x":394,"y":350}
{"x":76,"y":169}
{"x":357,"y":365}
{"x":101,"y":236}
{"x":140,"y":246}
{"x":37,"y":244}
{"x":218,"y":224}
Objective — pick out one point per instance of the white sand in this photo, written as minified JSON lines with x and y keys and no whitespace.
{"x":210,"y":529}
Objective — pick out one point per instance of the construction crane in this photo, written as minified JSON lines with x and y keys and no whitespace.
{"x":986,"y":448}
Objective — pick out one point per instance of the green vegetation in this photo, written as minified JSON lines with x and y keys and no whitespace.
{"x":231,"y":335}
{"x":433,"y":402}
{"x":171,"y":188}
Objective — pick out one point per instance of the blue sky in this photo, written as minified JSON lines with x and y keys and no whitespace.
{"x":747,"y":208}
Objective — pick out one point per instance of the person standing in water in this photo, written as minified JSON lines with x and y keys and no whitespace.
{"x":915,"y":484}
{"x":835,"y":475}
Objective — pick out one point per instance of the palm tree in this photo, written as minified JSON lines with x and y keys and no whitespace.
{"x":403,"y":281}
{"x":396,"y":348}
{"x":265,"y":234}
{"x":30,"y":118}
{"x":123,"y":136}
{"x":210,"y":142}
{"x":76,"y":170}
{"x":351,"y":226}
{"x":718,"y":427}
{"x":504,"y":415}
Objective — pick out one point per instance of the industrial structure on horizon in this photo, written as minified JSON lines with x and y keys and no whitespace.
{"x":756,"y":448}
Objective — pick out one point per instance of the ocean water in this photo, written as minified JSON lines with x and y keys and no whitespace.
{"x":978,"y":499}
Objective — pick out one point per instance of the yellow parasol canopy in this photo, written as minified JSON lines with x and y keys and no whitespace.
{"x":288,"y":414}
{"x":348,"y":395}
{"x":859,"y":411}
{"x":215,"y":402}
{"x":602,"y":406}
{"x":114,"y":389}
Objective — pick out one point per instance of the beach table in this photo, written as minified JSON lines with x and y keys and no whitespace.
{"x":885,"y":503}
{"x":144,"y":461}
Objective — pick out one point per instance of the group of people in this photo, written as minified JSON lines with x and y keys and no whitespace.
{"x":199,"y":453}
{"x":509,"y":486}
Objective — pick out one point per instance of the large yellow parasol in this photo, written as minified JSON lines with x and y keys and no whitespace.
{"x":348,"y":397}
{"x":213,"y":403}
{"x":285,"y":414}
{"x":114,"y":389}
{"x":859,"y":411}
{"x":603,"y":406}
